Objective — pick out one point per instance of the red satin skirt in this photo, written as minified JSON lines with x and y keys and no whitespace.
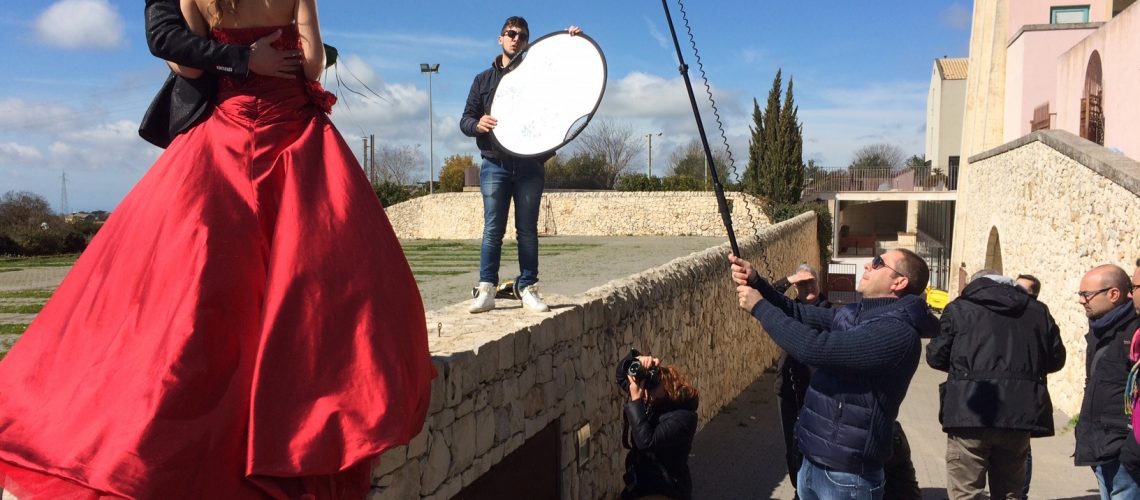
{"x":244,"y":326}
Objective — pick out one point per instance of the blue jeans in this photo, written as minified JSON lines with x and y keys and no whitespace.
{"x":520,"y":179}
{"x":817,"y":482}
{"x":1115,"y":483}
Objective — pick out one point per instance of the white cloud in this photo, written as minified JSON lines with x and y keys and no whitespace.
{"x":12,"y":154}
{"x":17,"y":115}
{"x":112,"y":145}
{"x":955,"y":16}
{"x":79,"y":24}
{"x":849,"y":118}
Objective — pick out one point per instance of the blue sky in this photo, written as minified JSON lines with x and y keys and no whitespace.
{"x":77,"y":76}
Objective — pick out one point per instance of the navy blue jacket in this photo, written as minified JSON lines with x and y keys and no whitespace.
{"x":479,"y":100}
{"x":865,"y":355}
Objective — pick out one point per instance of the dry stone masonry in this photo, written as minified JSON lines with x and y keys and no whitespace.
{"x":1053,"y":205}
{"x":507,"y":374}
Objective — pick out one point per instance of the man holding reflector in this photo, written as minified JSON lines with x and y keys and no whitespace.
{"x":509,"y":172}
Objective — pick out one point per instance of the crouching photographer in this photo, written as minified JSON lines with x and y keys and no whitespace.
{"x":660,"y":422}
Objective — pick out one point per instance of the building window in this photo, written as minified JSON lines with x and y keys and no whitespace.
{"x":1070,"y":14}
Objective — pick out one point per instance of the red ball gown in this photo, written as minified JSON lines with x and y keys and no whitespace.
{"x":244,"y":326}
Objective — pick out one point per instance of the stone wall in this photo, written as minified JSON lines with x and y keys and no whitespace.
{"x":507,"y":374}
{"x":583,"y":213}
{"x":1053,"y":205}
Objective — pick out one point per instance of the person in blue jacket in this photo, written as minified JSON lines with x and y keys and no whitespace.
{"x":864,"y":355}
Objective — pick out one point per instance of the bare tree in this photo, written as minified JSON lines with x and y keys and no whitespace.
{"x":396,"y":163}
{"x":689,"y":160}
{"x":614,"y":142}
{"x":879,"y":155}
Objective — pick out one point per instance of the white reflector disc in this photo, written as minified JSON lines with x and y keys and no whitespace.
{"x":550,"y":96}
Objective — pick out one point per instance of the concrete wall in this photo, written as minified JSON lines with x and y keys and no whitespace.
{"x":1059,"y":205}
{"x":946,"y":103}
{"x":1025,"y":12}
{"x":588,"y":213}
{"x":1031,"y":72}
{"x":1118,"y":43}
{"x":876,"y":217}
{"x":507,"y":374}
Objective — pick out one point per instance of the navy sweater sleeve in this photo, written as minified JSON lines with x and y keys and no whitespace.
{"x":874,"y":345}
{"x":813,"y":316}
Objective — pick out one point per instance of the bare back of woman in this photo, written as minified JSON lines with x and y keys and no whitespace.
{"x":202,"y":15}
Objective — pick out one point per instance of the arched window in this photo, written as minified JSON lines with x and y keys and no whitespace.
{"x":1092,"y":102}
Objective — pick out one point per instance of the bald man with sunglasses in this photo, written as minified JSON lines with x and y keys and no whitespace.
{"x":864,"y":356}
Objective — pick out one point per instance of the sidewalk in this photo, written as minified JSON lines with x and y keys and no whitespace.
{"x":740,"y":453}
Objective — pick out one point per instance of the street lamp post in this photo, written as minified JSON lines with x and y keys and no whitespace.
{"x":429,"y":69}
{"x":650,"y":137}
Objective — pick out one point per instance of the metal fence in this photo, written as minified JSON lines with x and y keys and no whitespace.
{"x":839,"y":179}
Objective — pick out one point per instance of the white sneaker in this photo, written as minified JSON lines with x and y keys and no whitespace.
{"x":531,"y":300}
{"x":484,"y":298}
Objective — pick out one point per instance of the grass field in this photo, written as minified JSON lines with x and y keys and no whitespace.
{"x":426,"y":257}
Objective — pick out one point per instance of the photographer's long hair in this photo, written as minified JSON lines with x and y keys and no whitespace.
{"x":676,"y":386}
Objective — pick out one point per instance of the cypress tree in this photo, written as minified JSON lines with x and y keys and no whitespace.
{"x":792,"y":161}
{"x":770,"y":150}
{"x":751,"y":179}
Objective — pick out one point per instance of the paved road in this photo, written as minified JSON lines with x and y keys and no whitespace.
{"x":740,"y":453}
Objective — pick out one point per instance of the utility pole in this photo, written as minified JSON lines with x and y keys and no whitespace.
{"x":429,"y":69}
{"x":63,"y":193}
{"x":650,"y":137}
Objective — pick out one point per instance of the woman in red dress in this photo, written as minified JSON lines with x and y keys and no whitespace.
{"x":244,"y":326}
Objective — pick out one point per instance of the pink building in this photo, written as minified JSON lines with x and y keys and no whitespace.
{"x":1063,"y":64}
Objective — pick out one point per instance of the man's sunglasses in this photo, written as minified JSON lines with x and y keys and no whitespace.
{"x":513,"y":34}
{"x":878,"y":262}
{"x":1089,"y":295}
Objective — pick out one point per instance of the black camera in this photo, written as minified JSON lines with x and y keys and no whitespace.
{"x":648,"y":377}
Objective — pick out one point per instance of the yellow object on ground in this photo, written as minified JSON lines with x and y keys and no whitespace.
{"x":937,"y":299}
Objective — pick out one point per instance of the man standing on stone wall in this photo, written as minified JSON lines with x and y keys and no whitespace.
{"x":864,"y":356}
{"x":504,"y":177}
{"x":997,"y":345}
{"x":1104,"y":441}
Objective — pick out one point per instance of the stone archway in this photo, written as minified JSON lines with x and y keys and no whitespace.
{"x":993,"y":251}
{"x":1092,"y":101}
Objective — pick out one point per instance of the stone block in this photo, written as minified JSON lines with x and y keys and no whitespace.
{"x":438,"y":385}
{"x":390,"y":460}
{"x":463,"y":437}
{"x":443,"y":419}
{"x":532,"y":402}
{"x":503,"y":429}
{"x":527,"y":378}
{"x":484,"y":430}
{"x":507,"y":351}
{"x":436,"y":465}
{"x":543,"y":336}
{"x":549,"y":396}
{"x":465,"y":407}
{"x":418,"y":445}
{"x":483,"y":397}
{"x":403,"y":484}
{"x":522,"y":347}
{"x":544,"y":365}
{"x":487,"y":360}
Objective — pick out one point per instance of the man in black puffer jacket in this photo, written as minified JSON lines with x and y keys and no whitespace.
{"x":997,"y":345}
{"x":864,"y":354}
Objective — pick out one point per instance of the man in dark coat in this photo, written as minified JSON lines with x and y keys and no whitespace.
{"x":792,"y":376}
{"x":864,"y":356}
{"x":1104,"y":440}
{"x":170,"y":39}
{"x":997,"y":345}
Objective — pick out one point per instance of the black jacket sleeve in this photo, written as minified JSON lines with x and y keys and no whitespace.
{"x":1056,"y":346}
{"x":169,"y":38}
{"x":939,"y":348}
{"x":473,"y":110}
{"x":673,"y":428}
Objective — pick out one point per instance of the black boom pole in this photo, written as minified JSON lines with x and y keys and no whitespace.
{"x":722,"y":203}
